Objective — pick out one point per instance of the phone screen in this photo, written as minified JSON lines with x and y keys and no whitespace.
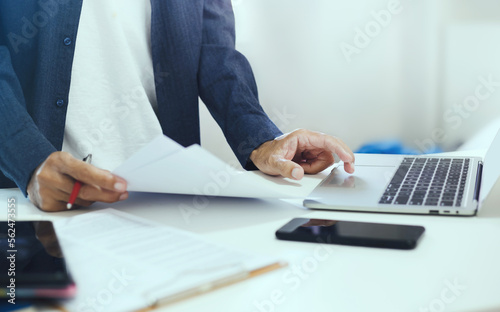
{"x":351,"y":233}
{"x":32,"y":261}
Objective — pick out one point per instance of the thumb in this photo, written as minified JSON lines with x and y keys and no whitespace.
{"x":289,"y":169}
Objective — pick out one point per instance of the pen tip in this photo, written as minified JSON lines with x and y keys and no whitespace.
{"x":69,"y":206}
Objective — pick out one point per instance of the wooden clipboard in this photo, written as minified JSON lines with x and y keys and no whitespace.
{"x":214,"y":286}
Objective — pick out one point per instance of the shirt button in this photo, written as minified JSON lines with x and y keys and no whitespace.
{"x":67,"y":41}
{"x":60,"y":103}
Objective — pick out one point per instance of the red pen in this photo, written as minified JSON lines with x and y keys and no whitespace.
{"x":77,"y":186}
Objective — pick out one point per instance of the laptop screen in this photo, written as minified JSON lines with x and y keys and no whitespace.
{"x":491,"y":168}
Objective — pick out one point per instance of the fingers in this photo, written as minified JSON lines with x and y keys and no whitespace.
{"x":89,"y":174}
{"x":334,"y":145}
{"x":316,"y":140}
{"x":301,"y":151}
{"x":349,"y":167}
{"x":288,"y":169}
{"x":270,"y":159}
{"x":52,"y":183}
{"x":314,"y":161}
{"x":94,"y":193}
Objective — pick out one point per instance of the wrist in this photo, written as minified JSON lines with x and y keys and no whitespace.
{"x":254,"y":156}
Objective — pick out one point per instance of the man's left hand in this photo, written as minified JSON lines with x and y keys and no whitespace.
{"x":301,"y":151}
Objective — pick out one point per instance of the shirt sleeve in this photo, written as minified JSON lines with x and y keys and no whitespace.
{"x":22,"y":146}
{"x":227,"y":85}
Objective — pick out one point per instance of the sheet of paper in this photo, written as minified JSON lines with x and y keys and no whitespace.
{"x":159,"y":168}
{"x":123,"y":263}
{"x":157,"y":149}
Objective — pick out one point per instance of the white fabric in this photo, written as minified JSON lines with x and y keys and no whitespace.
{"x":112,"y":95}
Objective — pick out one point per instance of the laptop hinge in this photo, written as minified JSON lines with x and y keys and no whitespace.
{"x":478,"y":180}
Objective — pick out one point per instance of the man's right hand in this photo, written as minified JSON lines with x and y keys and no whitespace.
{"x":52,"y":182}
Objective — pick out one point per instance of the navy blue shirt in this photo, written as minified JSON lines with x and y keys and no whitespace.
{"x":193,"y":47}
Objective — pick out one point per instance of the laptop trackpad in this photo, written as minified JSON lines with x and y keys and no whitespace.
{"x":368,"y":178}
{"x":372,"y":171}
{"x":363,"y":188}
{"x":338,"y":180}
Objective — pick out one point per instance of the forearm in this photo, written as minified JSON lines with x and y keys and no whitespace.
{"x":227,"y":85}
{"x":23,"y":147}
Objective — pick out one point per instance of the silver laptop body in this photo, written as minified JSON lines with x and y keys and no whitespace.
{"x":410,"y":184}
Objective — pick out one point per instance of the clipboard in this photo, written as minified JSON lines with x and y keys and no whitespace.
{"x":214,"y":286}
{"x":160,"y":265}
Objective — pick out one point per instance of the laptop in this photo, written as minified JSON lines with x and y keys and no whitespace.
{"x":426,"y":184}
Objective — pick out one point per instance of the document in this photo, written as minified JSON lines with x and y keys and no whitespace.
{"x":164,"y":166}
{"x":124,"y":263}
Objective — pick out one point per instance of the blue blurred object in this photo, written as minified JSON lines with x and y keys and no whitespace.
{"x":393,"y":147}
{"x":20,"y":305}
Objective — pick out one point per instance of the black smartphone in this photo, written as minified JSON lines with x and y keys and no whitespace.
{"x":32,"y":262}
{"x":351,"y":233}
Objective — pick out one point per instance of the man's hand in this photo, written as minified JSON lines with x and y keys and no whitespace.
{"x":301,"y":151}
{"x":52,"y":182}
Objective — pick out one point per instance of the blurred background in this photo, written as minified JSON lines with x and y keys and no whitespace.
{"x":426,"y":72}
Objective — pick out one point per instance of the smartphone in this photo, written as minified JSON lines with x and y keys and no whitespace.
{"x":32,"y":262}
{"x":351,"y":233}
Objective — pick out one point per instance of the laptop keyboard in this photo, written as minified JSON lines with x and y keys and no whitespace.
{"x":428,"y":181}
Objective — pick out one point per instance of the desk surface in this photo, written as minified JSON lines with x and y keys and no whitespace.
{"x":456,"y":266}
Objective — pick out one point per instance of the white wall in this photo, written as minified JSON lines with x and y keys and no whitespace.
{"x":396,"y":85}
{"x":471,"y":50}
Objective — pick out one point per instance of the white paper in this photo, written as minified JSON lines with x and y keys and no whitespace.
{"x":157,"y":149}
{"x":165,"y":167}
{"x":123,"y":263}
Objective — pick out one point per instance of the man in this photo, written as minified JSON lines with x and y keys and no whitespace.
{"x":108,"y":76}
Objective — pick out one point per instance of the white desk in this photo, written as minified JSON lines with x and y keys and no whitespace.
{"x":453,"y":250}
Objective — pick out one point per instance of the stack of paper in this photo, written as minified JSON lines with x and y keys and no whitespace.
{"x":163,"y":166}
{"x":122,"y":263}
